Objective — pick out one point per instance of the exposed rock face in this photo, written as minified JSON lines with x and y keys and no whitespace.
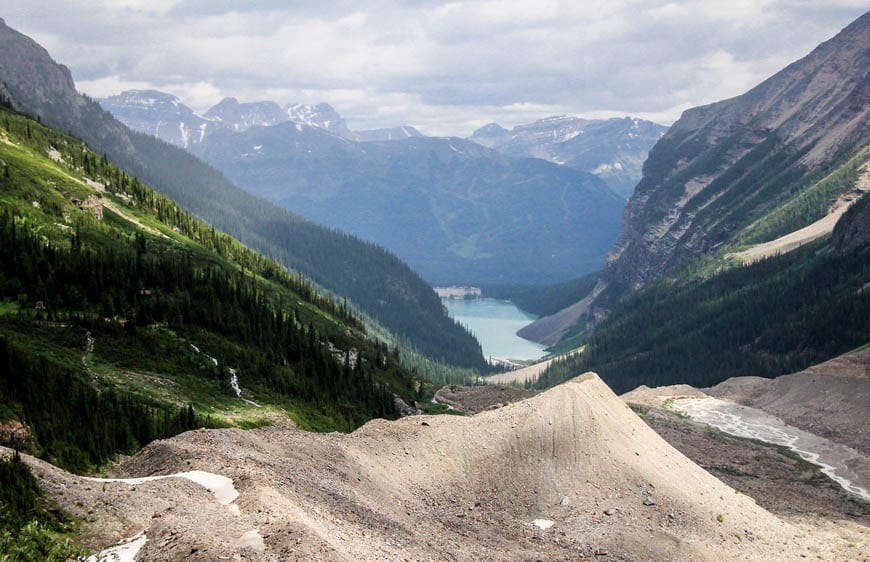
{"x":46,"y":90}
{"x":723,"y":165}
{"x":15,"y":433}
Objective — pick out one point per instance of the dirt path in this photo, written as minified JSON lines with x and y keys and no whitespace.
{"x":820,"y":228}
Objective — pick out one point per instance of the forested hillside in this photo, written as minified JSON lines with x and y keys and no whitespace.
{"x":774,"y":317}
{"x":124,"y":319}
{"x":372,"y":278}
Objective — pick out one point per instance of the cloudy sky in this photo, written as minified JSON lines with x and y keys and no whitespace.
{"x":444,"y":67}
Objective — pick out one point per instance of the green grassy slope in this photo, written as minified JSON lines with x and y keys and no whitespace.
{"x":121,"y":316}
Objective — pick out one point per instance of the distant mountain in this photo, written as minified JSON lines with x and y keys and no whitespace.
{"x":457,"y":212}
{"x":166,"y":117}
{"x":322,"y":116}
{"x":231,"y":114}
{"x":393,"y":133}
{"x":612,"y":149}
{"x":160,"y":115}
{"x":375,"y":280}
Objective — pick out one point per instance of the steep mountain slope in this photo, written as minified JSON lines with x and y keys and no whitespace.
{"x":115,"y":303}
{"x":742,"y":179}
{"x":612,"y":149}
{"x":373,"y":279}
{"x":569,"y":474}
{"x":455,"y":211}
{"x":722,"y":167}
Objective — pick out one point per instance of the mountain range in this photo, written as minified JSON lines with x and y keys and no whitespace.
{"x":166,"y":117}
{"x":456,"y":211}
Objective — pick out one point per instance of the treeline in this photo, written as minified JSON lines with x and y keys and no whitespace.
{"x":816,"y":193}
{"x":74,"y":425}
{"x":774,"y":317}
{"x":135,"y":287}
{"x":78,"y":157}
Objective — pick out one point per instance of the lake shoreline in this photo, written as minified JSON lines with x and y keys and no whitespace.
{"x":495,"y":323}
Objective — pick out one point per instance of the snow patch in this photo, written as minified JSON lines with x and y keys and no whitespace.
{"x":251,"y":539}
{"x":184,"y":136}
{"x":543,"y":524}
{"x":221,"y":487}
{"x":125,"y":551}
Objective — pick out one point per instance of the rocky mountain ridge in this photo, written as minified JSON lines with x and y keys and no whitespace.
{"x":166,"y":117}
{"x":612,"y":149}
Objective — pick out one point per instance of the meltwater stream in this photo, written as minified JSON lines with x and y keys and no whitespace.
{"x":844,"y":465}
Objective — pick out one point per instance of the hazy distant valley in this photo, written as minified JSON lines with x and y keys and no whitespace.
{"x":219,"y":337}
{"x":456,"y":212}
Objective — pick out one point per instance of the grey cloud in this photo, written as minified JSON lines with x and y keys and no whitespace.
{"x":417,"y":62}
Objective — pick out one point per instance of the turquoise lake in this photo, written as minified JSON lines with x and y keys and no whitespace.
{"x":495,"y":323}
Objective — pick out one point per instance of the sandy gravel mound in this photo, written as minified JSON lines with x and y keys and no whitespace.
{"x":656,"y":397}
{"x":568,"y":474}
